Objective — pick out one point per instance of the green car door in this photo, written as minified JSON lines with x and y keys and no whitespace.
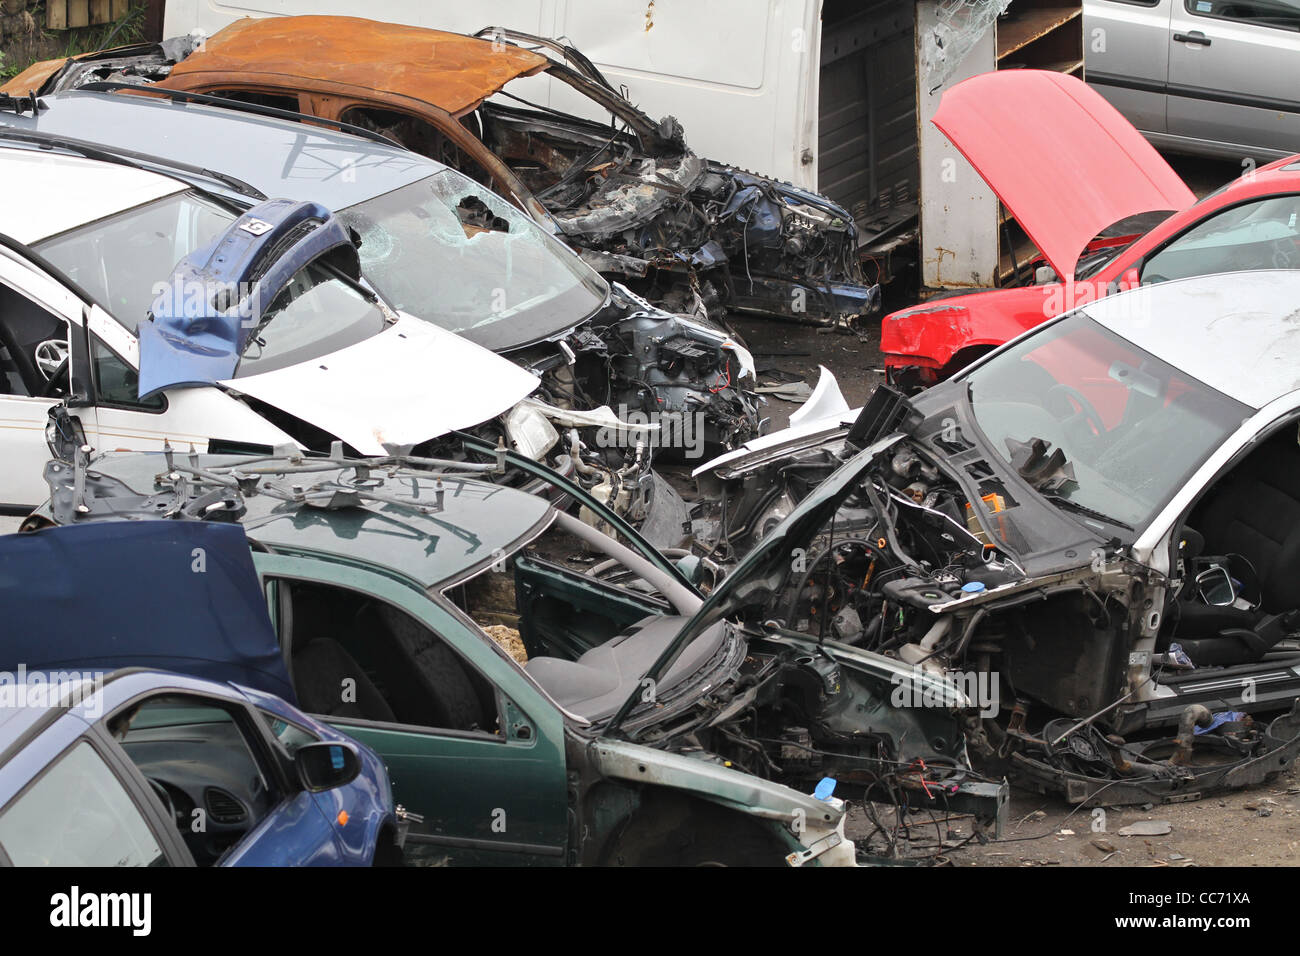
{"x":373,"y":655}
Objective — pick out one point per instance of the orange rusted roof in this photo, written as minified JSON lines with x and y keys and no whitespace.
{"x":451,"y":71}
{"x":33,"y":78}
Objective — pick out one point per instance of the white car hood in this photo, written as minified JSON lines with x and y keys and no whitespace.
{"x":408,"y":384}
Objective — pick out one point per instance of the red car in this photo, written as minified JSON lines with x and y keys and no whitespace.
{"x":1068,"y":166}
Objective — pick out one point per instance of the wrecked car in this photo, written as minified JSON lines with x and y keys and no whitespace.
{"x":254,"y":325}
{"x":111,"y":763}
{"x":1079,"y":178}
{"x":1094,"y":525}
{"x":684,"y":232}
{"x":440,"y":247}
{"x":415,"y":584}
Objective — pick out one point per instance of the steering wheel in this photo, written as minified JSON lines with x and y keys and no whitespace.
{"x":166,"y":799}
{"x":53,"y":386}
{"x":1086,"y":411}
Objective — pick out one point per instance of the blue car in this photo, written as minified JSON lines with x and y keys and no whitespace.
{"x":112,"y":765}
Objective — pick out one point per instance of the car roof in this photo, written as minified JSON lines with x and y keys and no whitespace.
{"x":52,"y":192}
{"x":280,"y":157}
{"x":449,"y":70}
{"x":1238,"y":332}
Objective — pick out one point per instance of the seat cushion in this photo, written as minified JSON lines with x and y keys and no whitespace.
{"x":596,"y":684}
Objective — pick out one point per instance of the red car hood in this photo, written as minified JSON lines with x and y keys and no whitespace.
{"x":1063,"y":160}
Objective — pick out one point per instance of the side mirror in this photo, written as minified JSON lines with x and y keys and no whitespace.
{"x":326,"y":765}
{"x":1215,"y":587}
{"x":64,"y":434}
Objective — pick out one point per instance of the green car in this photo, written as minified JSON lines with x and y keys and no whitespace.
{"x":543,"y":693}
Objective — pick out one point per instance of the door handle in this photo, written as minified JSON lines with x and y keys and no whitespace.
{"x":1196,"y":36}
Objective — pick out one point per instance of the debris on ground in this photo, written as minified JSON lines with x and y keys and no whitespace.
{"x":509,"y":640}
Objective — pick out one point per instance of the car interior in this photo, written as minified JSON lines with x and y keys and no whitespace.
{"x":33,"y":347}
{"x":586,"y":641}
{"x":195,"y":756}
{"x":1240,"y":547}
{"x":352,"y":656}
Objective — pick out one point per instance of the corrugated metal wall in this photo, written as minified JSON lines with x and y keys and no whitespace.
{"x":867,"y":112}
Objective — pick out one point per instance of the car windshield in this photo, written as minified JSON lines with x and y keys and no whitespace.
{"x":447,"y":250}
{"x":1131,"y":427}
{"x":315,"y":314}
{"x":121,"y":260}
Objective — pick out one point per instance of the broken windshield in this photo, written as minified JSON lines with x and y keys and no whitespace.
{"x":448,"y":251}
{"x":1100,"y":427}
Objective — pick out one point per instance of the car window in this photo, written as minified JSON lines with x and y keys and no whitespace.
{"x":457,"y":255}
{"x":1278,"y":14}
{"x":420,"y":136}
{"x":279,"y":101}
{"x":290,"y":735}
{"x":33,"y":344}
{"x":200,"y":764}
{"x":1256,"y":235}
{"x":353,"y":657}
{"x":116,"y":382}
{"x":314,"y":314}
{"x":125,"y":261}
{"x":1131,"y":428}
{"x":78,"y":814}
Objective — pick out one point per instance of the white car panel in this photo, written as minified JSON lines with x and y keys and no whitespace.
{"x":410,"y":383}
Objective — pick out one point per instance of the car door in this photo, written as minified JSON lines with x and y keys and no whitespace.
{"x":1233,"y":74}
{"x":208,"y":763}
{"x":390,"y":667}
{"x":1126,"y":47}
{"x":36,"y":316}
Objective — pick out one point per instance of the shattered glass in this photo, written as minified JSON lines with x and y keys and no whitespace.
{"x":447,"y":250}
{"x":961,"y":24}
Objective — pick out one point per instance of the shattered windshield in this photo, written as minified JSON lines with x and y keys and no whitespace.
{"x":447,"y":250}
{"x":1101,"y":428}
{"x":121,"y":260}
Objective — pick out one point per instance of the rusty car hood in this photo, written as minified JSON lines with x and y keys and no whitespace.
{"x":453,"y":72}
{"x":1062,"y":159}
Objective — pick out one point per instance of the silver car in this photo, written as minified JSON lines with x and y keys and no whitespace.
{"x":1214,"y":77}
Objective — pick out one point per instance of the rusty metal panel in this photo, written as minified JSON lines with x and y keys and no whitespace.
{"x":450,"y":71}
{"x":32,"y":78}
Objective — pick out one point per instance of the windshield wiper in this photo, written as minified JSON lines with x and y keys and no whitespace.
{"x":1074,"y":506}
